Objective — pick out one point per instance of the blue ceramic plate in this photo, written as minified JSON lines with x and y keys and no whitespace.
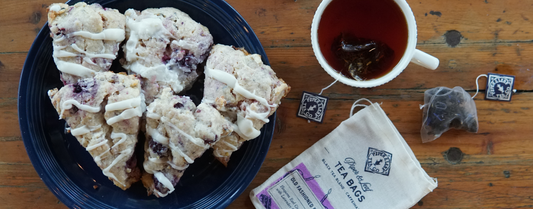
{"x":70,"y":172}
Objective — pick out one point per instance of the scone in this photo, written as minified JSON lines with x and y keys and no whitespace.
{"x":85,"y":37}
{"x":103,"y":114}
{"x":164,"y":46}
{"x":244,"y":90}
{"x":177,"y":132}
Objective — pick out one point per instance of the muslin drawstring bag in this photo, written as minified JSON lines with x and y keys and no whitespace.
{"x":363,"y":163}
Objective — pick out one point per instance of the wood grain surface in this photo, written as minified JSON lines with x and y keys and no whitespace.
{"x":470,"y":37}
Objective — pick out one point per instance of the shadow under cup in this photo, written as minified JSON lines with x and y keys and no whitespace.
{"x":374,"y":40}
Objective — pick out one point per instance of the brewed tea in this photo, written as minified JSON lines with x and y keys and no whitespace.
{"x":362,"y":39}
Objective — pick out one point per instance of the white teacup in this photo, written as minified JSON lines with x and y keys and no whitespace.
{"x":411,"y":54}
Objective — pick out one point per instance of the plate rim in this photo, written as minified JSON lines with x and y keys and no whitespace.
{"x":27,"y":131}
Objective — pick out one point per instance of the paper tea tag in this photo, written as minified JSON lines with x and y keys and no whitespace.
{"x":499,"y":87}
{"x":312,"y":107}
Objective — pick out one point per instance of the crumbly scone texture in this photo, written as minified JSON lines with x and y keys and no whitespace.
{"x":76,"y":54}
{"x":164,"y":46}
{"x":244,"y":90}
{"x":89,"y":105}
{"x":177,"y":133}
{"x":223,"y":149}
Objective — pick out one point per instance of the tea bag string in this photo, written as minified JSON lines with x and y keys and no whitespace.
{"x":356,"y":104}
{"x":477,"y":85}
{"x":327,"y":87}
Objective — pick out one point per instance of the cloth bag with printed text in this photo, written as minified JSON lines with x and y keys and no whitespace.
{"x":363,"y":163}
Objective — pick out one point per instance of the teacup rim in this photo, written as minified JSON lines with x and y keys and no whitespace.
{"x":400,"y":66}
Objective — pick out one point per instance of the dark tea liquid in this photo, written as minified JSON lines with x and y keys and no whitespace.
{"x":379,"y":20}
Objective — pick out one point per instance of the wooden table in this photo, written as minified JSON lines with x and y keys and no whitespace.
{"x":490,"y":36}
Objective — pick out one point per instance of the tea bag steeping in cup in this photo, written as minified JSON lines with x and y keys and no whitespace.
{"x":363,"y":163}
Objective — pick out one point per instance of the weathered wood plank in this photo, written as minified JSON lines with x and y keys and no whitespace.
{"x":458,"y":67}
{"x":502,"y":125}
{"x":20,"y":26}
{"x":13,"y":152}
{"x":8,"y":119}
{"x":492,"y":36}
{"x":21,"y":187}
{"x":10,"y":68}
{"x":28,"y":197}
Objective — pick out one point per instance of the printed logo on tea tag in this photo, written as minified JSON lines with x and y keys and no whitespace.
{"x":378,"y":161}
{"x":499,"y":87}
{"x":312,"y":107}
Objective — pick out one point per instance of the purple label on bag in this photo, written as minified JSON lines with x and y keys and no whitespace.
{"x":296,"y":189}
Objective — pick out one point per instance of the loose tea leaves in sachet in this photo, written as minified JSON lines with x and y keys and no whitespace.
{"x":446,"y":108}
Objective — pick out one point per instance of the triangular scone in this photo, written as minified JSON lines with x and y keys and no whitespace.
{"x":244,"y":90}
{"x":164,"y":46}
{"x":177,"y":132}
{"x":103,"y":114}
{"x":86,"y":38}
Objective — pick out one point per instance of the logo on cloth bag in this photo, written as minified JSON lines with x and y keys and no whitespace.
{"x":378,"y":161}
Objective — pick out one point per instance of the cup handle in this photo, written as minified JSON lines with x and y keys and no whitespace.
{"x":425,"y":60}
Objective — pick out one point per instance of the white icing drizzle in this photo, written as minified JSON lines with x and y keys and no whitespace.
{"x":63,"y":53}
{"x":260,"y":116}
{"x":158,"y":73}
{"x":126,"y":114}
{"x":195,"y":140}
{"x":68,"y":104}
{"x":91,"y":55}
{"x":231,"y":81}
{"x":232,"y":148}
{"x":80,"y":131}
{"x":160,"y":194}
{"x":124,"y":104}
{"x":88,"y":60}
{"x":180,"y":152}
{"x":208,"y":101}
{"x":147,"y":28}
{"x":245,"y":128}
{"x":155,"y":160}
{"x":156,"y":135}
{"x":59,"y":40}
{"x":217,"y":154}
{"x":83,"y":130}
{"x":153,"y":115}
{"x":94,"y":146}
{"x":180,"y":168}
{"x":120,"y":157}
{"x":112,"y":34}
{"x":74,"y":69}
{"x":122,"y":137}
{"x":55,"y":7}
{"x":98,"y":158}
{"x":165,"y":181}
